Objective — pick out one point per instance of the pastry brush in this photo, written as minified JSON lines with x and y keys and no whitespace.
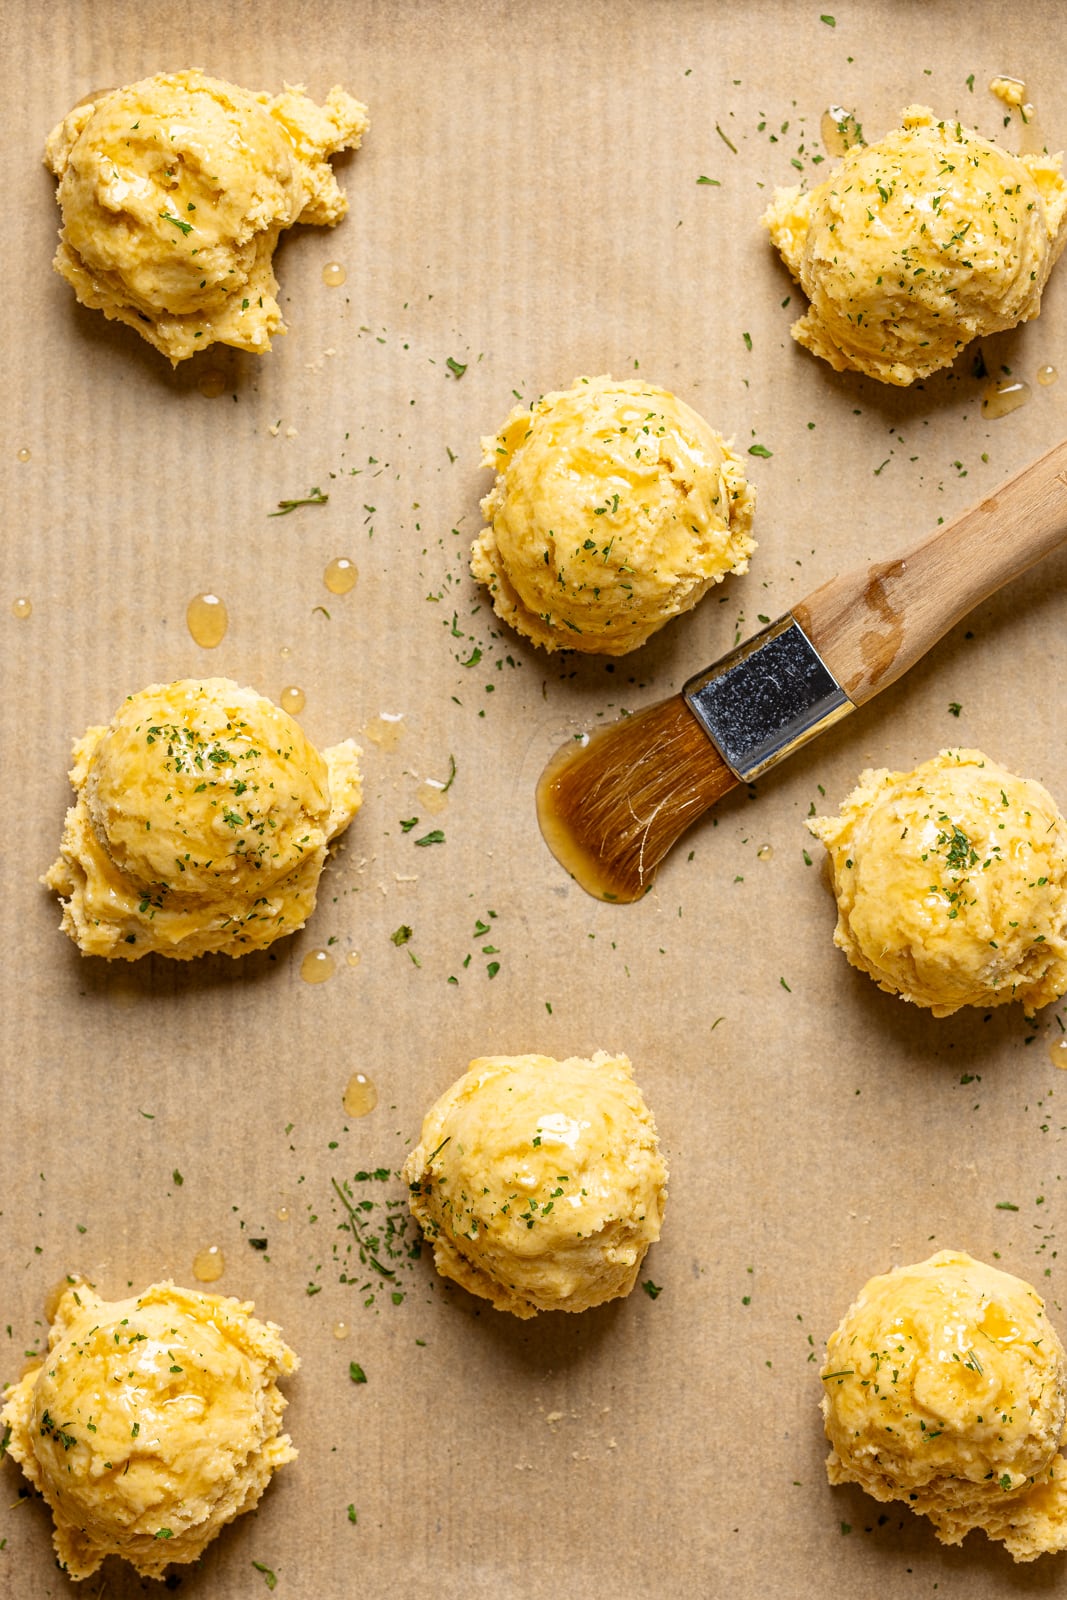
{"x":611,"y":809}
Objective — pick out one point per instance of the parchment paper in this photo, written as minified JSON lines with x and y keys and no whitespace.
{"x":528,"y":203}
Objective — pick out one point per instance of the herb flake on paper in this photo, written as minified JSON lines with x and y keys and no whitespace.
{"x":314,"y":497}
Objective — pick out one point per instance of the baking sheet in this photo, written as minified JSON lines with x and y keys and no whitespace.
{"x":528,"y":204}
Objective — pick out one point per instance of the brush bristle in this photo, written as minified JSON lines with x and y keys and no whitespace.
{"x":610,"y":810}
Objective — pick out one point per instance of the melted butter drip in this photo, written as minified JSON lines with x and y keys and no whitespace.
{"x":385,"y":730}
{"x":839,"y":130}
{"x":340,"y":1330}
{"x":341,"y":575}
{"x":1046,"y":376}
{"x":317,"y":966}
{"x":999,"y":399}
{"x":21,"y":607}
{"x":282,"y":1213}
{"x":765,"y":852}
{"x":24,"y":454}
{"x":353,"y":958}
{"x":209,"y":1264}
{"x":212,"y":383}
{"x":1057,"y":1053}
{"x":997,"y":1324}
{"x":293,"y":700}
{"x":333,"y":274}
{"x":360,"y":1096}
{"x":207,"y":620}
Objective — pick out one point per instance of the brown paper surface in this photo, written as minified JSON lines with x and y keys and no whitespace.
{"x":527,"y":203}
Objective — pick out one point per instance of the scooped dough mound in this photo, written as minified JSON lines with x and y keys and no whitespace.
{"x":539,"y":1182}
{"x":946,"y":1387}
{"x":174,"y":191}
{"x":152,"y":1423}
{"x":918,"y":244}
{"x":201,"y":823}
{"x":951,"y":883}
{"x":615,"y":507}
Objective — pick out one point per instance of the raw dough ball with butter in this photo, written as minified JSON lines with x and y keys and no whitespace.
{"x":918,"y":244}
{"x":201,"y":823}
{"x":174,"y":191}
{"x":951,"y":883}
{"x":945,"y":1386}
{"x":539,"y":1182}
{"x":151,"y":1423}
{"x":615,"y":508}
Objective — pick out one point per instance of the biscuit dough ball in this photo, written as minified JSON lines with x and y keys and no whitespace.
{"x":918,"y":244}
{"x":201,"y":823}
{"x":946,"y":1387}
{"x":615,"y":507}
{"x":539,"y":1183}
{"x":951,"y":883}
{"x":151,"y":1423}
{"x":174,"y":191}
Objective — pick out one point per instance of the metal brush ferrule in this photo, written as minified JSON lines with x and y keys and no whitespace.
{"x":766,"y":698}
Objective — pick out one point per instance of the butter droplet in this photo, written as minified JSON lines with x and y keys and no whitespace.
{"x":209,"y":1264}
{"x":21,"y":607}
{"x":1000,"y":399}
{"x":317,"y":966}
{"x":293,"y":700}
{"x":360,"y":1096}
{"x":212,"y":383}
{"x":123,"y":992}
{"x":333,"y":274}
{"x":432,"y":796}
{"x":207,"y":620}
{"x":385,"y":730}
{"x":341,"y":575}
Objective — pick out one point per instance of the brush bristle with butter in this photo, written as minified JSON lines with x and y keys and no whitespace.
{"x":615,"y":508}
{"x":539,"y":1183}
{"x":945,"y":1386}
{"x":201,"y":824}
{"x":918,"y":244}
{"x":951,"y":883}
{"x":174,"y":191}
{"x":151,"y":1423}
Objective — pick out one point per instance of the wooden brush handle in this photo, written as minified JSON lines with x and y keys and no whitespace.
{"x":872,"y":624}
